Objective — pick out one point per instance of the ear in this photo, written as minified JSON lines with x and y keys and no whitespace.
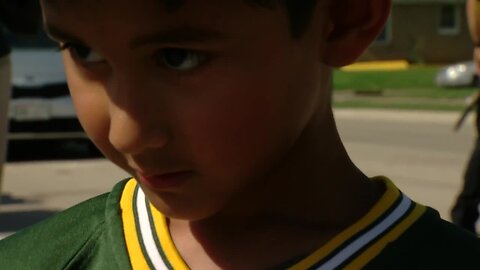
{"x":353,"y":25}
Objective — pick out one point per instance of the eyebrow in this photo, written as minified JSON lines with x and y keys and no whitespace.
{"x":179,"y":35}
{"x":182,"y":34}
{"x":58,"y":34}
{"x":170,"y":5}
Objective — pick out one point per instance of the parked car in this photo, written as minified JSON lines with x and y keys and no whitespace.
{"x":40,"y":107}
{"x":457,"y":75}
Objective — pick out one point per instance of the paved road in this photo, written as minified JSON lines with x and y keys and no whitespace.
{"x":417,"y":150}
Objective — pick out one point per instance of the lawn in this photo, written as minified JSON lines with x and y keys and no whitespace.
{"x":413,"y":88}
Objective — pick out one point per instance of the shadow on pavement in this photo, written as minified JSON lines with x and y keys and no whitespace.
{"x":8,"y":199}
{"x":11,"y":221}
{"x":14,"y":221}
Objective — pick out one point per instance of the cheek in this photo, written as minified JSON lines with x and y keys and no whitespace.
{"x":248,"y":120}
{"x":92,"y":113}
{"x":229,"y":131}
{"x":91,"y":105}
{"x":233,"y":131}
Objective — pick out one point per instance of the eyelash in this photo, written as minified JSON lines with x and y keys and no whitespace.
{"x":69,"y":46}
{"x":63,"y":46}
{"x":202,"y":57}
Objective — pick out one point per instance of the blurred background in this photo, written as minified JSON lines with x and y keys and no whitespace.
{"x":396,"y":109}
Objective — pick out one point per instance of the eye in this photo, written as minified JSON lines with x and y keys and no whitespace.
{"x":181,"y":59}
{"x":82,"y":53}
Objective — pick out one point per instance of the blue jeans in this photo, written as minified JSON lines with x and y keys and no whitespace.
{"x":465,"y":211}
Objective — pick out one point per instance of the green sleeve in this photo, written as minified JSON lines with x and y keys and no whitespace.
{"x":58,"y":242}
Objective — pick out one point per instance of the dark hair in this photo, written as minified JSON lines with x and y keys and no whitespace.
{"x":300,"y":12}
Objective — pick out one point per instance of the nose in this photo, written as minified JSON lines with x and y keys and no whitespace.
{"x":131,"y":134}
{"x":137,"y":121}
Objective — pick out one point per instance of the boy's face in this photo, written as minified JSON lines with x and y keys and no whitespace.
{"x":198,"y":102}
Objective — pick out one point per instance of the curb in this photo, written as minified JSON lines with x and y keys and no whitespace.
{"x":440,"y":117}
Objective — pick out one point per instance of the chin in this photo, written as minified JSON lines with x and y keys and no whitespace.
{"x":186,"y":215}
{"x":175,"y":206}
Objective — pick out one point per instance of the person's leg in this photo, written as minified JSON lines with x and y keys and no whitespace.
{"x":5,"y":77}
{"x":465,"y":211}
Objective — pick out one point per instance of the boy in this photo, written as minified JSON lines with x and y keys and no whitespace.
{"x":221,"y":112}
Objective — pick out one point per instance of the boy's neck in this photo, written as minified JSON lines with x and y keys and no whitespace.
{"x":315,"y":193}
{"x":316,"y":174}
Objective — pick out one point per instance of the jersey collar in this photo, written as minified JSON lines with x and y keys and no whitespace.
{"x":150,"y":246}
{"x":147,"y":238}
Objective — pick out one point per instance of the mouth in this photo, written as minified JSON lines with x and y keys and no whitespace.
{"x":164,"y":181}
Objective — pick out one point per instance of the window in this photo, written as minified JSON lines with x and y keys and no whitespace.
{"x":449,"y":21}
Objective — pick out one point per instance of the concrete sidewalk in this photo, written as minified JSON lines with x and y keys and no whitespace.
{"x":36,"y":190}
{"x":33,"y":191}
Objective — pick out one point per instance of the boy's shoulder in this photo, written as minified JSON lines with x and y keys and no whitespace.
{"x":431,"y":243}
{"x":84,"y":233}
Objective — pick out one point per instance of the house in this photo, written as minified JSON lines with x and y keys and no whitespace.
{"x":424,"y":31}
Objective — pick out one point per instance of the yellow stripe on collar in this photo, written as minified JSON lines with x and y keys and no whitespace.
{"x":380,"y":244}
{"x":386,"y":201}
{"x":168,"y":247}
{"x":136,"y":256}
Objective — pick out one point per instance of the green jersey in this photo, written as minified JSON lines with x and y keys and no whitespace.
{"x":122,"y":230}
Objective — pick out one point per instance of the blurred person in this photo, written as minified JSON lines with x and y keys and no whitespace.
{"x":18,"y":17}
{"x":4,"y":97}
{"x":465,"y":211}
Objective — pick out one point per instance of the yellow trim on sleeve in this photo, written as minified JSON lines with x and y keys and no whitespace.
{"x":168,"y":247}
{"x":389,"y":197}
{"x":379,"y":245}
{"x":135,"y":253}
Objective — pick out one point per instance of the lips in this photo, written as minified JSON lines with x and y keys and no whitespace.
{"x":164,"y":181}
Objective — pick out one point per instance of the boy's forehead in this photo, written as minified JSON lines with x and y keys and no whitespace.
{"x":169,"y":5}
{"x":91,"y":8}
{"x":150,"y":13}
{"x":175,"y":21}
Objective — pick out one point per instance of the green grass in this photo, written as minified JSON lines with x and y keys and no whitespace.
{"x":415,"y":77}
{"x":398,"y":105}
{"x":407,"y":89}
